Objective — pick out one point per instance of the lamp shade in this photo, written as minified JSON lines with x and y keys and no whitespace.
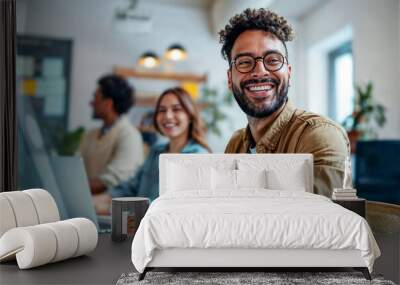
{"x":176,"y":52}
{"x":149,"y":60}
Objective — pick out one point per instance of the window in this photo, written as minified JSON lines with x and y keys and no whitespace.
{"x":341,"y":82}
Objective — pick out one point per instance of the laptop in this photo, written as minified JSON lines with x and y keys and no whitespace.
{"x":64,"y":177}
{"x":74,"y":189}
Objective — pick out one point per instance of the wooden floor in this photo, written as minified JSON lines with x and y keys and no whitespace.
{"x":384,"y":220}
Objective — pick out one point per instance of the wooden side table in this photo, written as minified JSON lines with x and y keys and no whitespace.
{"x":356,"y":205}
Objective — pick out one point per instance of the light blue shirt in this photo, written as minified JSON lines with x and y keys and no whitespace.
{"x":146,"y":181}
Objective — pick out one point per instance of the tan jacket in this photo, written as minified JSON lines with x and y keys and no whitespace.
{"x":115,"y":156}
{"x":298,"y":131}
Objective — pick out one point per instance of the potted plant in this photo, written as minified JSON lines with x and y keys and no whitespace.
{"x":367,"y":115}
{"x":66,"y":142}
{"x":212,"y":112}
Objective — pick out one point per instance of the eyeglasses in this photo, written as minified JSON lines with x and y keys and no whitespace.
{"x":272,"y":61}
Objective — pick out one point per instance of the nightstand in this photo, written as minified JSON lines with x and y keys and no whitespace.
{"x":356,"y":205}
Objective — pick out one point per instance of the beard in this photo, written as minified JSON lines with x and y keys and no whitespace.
{"x":251,"y":109}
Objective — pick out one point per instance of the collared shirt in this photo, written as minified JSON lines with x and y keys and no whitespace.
{"x":146,"y":181}
{"x":298,"y":131}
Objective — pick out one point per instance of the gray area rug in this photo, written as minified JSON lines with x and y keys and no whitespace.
{"x":229,"y":278}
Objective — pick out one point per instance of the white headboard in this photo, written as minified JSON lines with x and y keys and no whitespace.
{"x":258,"y":161}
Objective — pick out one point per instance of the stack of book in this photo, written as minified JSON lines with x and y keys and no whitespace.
{"x":344,"y":194}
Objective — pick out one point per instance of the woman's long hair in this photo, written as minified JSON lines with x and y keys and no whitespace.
{"x":196,"y":127}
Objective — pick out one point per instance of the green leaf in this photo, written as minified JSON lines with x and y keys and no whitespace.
{"x":367,"y":114}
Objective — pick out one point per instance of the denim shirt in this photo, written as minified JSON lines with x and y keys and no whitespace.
{"x":146,"y":181}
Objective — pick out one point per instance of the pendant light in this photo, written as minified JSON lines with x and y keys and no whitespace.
{"x":176,"y":52}
{"x":149,"y":60}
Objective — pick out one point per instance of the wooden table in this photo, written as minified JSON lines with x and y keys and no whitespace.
{"x":356,"y":205}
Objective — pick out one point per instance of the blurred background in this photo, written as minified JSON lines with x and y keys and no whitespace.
{"x":65,"y":46}
{"x":345,"y":65}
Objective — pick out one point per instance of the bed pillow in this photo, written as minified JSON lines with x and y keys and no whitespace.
{"x":228,"y":179}
{"x":223,"y":179}
{"x":283,"y":179}
{"x":183,"y":177}
{"x":251,"y":178}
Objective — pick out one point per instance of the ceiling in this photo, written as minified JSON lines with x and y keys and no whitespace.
{"x":204,"y":4}
{"x":294,"y":9}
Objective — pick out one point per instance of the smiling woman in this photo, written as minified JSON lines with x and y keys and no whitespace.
{"x":172,"y":120}
{"x":185,"y":116}
{"x":177,"y":118}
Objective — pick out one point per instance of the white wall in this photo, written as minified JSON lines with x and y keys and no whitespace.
{"x":21,"y":11}
{"x":376,"y":45}
{"x":97,"y":47}
{"x":223,"y":10}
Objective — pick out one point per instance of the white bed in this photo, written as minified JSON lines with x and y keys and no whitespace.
{"x":226,"y":211}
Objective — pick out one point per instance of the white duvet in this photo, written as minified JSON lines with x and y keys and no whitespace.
{"x":254,"y":218}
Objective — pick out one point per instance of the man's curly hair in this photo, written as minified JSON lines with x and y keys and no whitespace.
{"x":254,"y":19}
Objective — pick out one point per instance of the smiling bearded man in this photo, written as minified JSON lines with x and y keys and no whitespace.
{"x":254,"y":43}
{"x":263,"y":111}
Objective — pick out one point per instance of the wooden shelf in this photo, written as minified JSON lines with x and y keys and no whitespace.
{"x":129,"y":72}
{"x":151,"y":102}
